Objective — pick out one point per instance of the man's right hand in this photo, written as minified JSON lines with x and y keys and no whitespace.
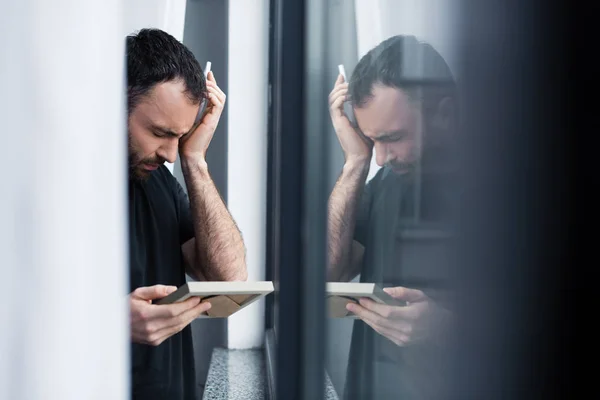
{"x":152,"y":324}
{"x":356,"y":147}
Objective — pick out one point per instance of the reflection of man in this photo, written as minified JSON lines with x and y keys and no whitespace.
{"x":169,"y":234}
{"x":404,"y":104}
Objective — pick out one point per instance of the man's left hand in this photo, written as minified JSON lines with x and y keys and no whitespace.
{"x":194,"y":145}
{"x":403,"y":325}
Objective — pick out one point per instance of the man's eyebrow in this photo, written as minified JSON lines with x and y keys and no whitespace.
{"x":387,"y":135}
{"x":166,"y":131}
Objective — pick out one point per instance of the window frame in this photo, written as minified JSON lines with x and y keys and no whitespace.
{"x":296,"y":200}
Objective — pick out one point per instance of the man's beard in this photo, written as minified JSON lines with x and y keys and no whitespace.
{"x":135,"y":172}
{"x":433,"y":159}
{"x":135,"y":162}
{"x":402,"y":166}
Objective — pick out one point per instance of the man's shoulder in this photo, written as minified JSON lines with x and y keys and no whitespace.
{"x":161,"y":179}
{"x":163,"y":173}
{"x":375,"y":181}
{"x":159,"y":185}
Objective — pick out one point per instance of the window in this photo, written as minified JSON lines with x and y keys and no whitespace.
{"x":428,"y":214}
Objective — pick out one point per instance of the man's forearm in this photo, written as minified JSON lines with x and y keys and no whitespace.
{"x":220,"y":251}
{"x":343,"y":206}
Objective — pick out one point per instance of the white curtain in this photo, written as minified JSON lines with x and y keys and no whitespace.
{"x":168,"y":15}
{"x":63,"y":241}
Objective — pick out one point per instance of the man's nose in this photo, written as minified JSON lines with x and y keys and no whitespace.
{"x":168,"y":150}
{"x":381,"y":154}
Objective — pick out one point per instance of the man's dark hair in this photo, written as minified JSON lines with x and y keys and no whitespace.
{"x":154,"y":56}
{"x":406,"y":63}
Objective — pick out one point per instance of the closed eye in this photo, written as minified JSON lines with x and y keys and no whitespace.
{"x":392,"y":137}
{"x":161,"y":133}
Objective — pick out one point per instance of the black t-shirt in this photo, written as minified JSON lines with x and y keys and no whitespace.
{"x":159,"y":223}
{"x":387,"y":227}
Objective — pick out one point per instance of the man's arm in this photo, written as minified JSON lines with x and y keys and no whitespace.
{"x":217,"y":253}
{"x":345,"y":255}
{"x":346,"y":196}
{"x":220,"y":254}
{"x":192,"y":267}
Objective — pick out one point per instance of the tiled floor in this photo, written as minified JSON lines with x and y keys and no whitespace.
{"x":241,"y":375}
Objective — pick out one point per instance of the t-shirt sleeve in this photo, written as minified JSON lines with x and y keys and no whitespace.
{"x":364,"y":210}
{"x":184,"y":213}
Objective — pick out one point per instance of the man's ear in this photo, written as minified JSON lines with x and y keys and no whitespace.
{"x":445,"y":115}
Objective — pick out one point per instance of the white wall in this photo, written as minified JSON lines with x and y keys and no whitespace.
{"x":247,"y":153}
{"x":434,"y":21}
{"x":168,"y":15}
{"x":63,"y":238}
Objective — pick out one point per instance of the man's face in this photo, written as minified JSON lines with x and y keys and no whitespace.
{"x":393,"y":122}
{"x":155,"y":126}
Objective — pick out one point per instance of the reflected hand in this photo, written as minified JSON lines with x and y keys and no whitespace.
{"x":194,"y":145}
{"x":356,"y":147}
{"x":152,"y":324}
{"x":403,"y":325}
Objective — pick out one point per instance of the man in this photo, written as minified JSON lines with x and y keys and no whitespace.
{"x":169,"y":234}
{"x":405,"y":105}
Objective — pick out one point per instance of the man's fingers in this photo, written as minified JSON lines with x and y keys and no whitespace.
{"x":337,"y":88}
{"x":176,"y":325}
{"x":145,"y":314}
{"x":397,"y":331}
{"x":336,"y":107}
{"x":339,"y":99}
{"x":215,"y":102}
{"x":398,"y":338}
{"x":406,"y":294}
{"x":397,"y":318}
{"x":337,"y":91}
{"x":190,"y":315}
{"x":389,"y":312}
{"x":153,"y":292}
{"x":367,"y":315}
{"x":211,"y":77}
{"x":175,"y":309}
{"x":216,"y":90}
{"x":213,"y":85}
{"x":408,"y":313}
{"x":215,"y":94}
